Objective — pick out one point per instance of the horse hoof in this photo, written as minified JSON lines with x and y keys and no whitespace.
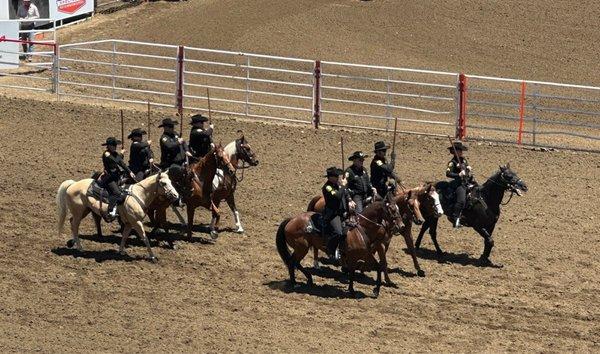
{"x":214,"y":235}
{"x":70,"y":243}
{"x":240,"y":231}
{"x":376,"y":293}
{"x":420,"y":273}
{"x":153,"y":259}
{"x":391,"y":284}
{"x":317,"y":265}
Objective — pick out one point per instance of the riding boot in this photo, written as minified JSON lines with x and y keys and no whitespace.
{"x":332,"y":246}
{"x":111,"y":211}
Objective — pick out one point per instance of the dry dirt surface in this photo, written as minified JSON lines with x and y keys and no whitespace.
{"x":231,"y":296}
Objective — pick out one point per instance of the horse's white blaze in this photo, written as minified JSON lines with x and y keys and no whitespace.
{"x":438,"y":205}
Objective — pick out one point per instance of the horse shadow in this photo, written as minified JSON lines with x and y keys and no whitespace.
{"x":396,"y":270}
{"x":319,"y":290}
{"x":98,"y":256}
{"x":463,"y":259}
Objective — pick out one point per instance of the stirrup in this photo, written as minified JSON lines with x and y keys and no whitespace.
{"x":456,"y":223}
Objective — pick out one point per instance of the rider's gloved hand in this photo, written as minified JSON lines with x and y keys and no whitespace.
{"x":469,"y":168}
{"x":462,"y":173}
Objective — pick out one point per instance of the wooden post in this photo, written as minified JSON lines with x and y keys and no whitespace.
{"x":521,"y":113}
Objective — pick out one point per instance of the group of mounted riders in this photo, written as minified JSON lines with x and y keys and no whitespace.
{"x":350,"y":194}
{"x":175,"y":153}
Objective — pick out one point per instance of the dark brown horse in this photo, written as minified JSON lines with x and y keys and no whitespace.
{"x":199,"y":176}
{"x":378,"y":221}
{"x":225,"y":184}
{"x":410,"y":203}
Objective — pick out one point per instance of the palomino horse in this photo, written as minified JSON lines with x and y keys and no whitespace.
{"x":224,"y":184}
{"x":410,"y":203}
{"x":482,"y":211}
{"x":376,"y":222}
{"x":71,"y":195}
{"x":199,"y":176}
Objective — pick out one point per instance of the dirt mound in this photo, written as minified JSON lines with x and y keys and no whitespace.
{"x":530,"y":40}
{"x":231,"y":296}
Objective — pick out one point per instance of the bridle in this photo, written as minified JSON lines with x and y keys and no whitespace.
{"x":242,"y":154}
{"x":506,"y":185}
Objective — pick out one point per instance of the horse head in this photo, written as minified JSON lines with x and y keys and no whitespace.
{"x":222,"y":159}
{"x":165,"y":187}
{"x":392,"y":212}
{"x":429,"y":201}
{"x":414,"y":205}
{"x":244,"y":151}
{"x":510,"y":181}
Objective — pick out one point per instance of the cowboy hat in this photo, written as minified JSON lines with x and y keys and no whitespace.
{"x":380,"y":146}
{"x":357,"y":155}
{"x":136,"y":132}
{"x":168,"y":122}
{"x":112,"y":141}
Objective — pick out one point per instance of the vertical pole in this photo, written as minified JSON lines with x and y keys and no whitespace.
{"x":179,"y":93}
{"x":534,"y":126}
{"x":521,"y":113}
{"x":247,"y":86}
{"x":388,"y":111}
{"x":56,"y":72}
{"x":114,"y":69}
{"x":317,"y":94}
{"x":461,"y":128}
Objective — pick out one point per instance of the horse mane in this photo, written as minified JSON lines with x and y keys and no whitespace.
{"x":231,"y":149}
{"x":197,"y":166}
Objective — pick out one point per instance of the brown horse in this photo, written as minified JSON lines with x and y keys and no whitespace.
{"x":378,"y":221}
{"x":199,"y":176}
{"x":410,"y":203}
{"x":224,"y":184}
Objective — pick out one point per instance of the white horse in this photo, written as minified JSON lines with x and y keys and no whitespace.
{"x":71,"y":195}
{"x":239,"y":153}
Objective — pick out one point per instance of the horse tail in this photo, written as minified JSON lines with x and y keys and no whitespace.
{"x":282,"y":247}
{"x":313,"y":203}
{"x":61,"y":203}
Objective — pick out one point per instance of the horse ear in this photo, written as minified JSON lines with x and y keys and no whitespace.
{"x":508,"y":165}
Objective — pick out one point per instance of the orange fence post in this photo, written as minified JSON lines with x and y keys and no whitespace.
{"x":521,"y":113}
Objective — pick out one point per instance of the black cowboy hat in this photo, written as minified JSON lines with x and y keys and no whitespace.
{"x":333,"y":172}
{"x":357,"y":155}
{"x":458,"y":146}
{"x":168,"y":122}
{"x":136,"y":132}
{"x":112,"y":141}
{"x":198,"y":118}
{"x":380,"y":146}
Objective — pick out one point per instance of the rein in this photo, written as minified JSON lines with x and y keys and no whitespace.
{"x":509,"y":199}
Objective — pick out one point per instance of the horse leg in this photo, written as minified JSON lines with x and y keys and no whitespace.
{"x":236,"y":214}
{"x":433,"y":234}
{"x":98,"y":222}
{"x":488,"y":244}
{"x":316,"y":263}
{"x":411,"y":248}
{"x":424,"y":228}
{"x":351,"y":291}
{"x":75,"y":221}
{"x":190,"y":221}
{"x":381,"y":253}
{"x":139,"y":228}
{"x":124,"y":237}
{"x":297,"y":256}
{"x":214,"y":222}
{"x":378,"y":282}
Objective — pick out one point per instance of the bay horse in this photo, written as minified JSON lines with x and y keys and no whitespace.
{"x":199,"y":176}
{"x":410,"y":203}
{"x":72,"y":195}
{"x":377,"y":220}
{"x":482,"y":210}
{"x":224,"y":184}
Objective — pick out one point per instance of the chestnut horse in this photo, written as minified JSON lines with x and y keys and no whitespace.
{"x":224,"y":184}
{"x":378,"y":221}
{"x":199,"y":175}
{"x":410,"y":203}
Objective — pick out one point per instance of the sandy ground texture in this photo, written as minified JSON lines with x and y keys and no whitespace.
{"x":231,"y":296}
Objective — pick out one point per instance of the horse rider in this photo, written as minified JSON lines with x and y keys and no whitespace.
{"x":114,"y":166}
{"x":173,"y":155}
{"x":336,"y":198}
{"x":141,"y":157}
{"x":381,"y":170}
{"x":460,"y":171}
{"x":200,"y":136}
{"x":359,"y":185}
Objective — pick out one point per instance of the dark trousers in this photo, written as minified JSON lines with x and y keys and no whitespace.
{"x":461,"y":198}
{"x":381,"y":190}
{"x":359,"y":200}
{"x":115,"y":194}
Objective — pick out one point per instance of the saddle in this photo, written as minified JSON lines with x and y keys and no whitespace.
{"x":98,"y":192}
{"x":447,"y":192}
{"x":315,"y":224}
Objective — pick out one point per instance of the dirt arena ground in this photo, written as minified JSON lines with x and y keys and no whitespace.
{"x":231,"y":296}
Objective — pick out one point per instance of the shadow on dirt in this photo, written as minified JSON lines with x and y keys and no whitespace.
{"x":463,"y":259}
{"x":98,"y":256}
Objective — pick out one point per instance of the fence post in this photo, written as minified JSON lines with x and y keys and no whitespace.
{"x":521,"y":113}
{"x":317,"y":94}
{"x":388,"y":111}
{"x":179,"y":93}
{"x":114,"y":69}
{"x":56,"y":72}
{"x":461,"y":126}
{"x":247,"y":85}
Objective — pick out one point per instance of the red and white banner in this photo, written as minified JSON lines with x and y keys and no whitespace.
{"x":62,"y":9}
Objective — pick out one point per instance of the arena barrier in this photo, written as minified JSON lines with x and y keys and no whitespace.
{"x":325,"y":93}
